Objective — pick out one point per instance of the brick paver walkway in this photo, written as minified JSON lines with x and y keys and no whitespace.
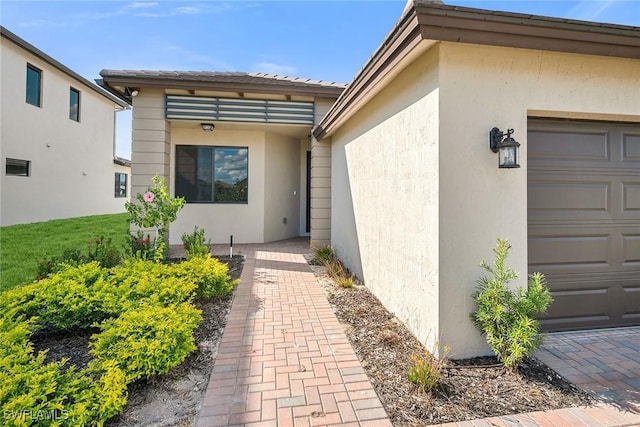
{"x":284,"y":358}
{"x":604,"y":363}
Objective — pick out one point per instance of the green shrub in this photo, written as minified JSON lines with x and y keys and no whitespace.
{"x":209,"y":275}
{"x":148,"y":341}
{"x":146,"y":326}
{"x":323,"y":254}
{"x":47,"y":266}
{"x":426,"y":372}
{"x":344,"y":282}
{"x":140,"y":246}
{"x":101,"y":249}
{"x":194,"y":243}
{"x":155,"y":209}
{"x":504,"y":316}
{"x":35,"y":393}
{"x":79,"y":296}
{"x":138,"y":282}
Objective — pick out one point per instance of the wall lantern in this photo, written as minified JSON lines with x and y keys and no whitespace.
{"x":131,"y":92}
{"x":207,"y":127}
{"x":506,"y":147}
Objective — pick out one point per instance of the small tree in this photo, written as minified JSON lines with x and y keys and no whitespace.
{"x":155,"y":209}
{"x":505,"y":317}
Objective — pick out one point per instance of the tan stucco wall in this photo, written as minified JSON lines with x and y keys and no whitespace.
{"x":151,"y":139}
{"x":321,"y":183}
{"x":72,"y":169}
{"x":428,"y":199}
{"x":281,"y":188}
{"x":482,"y":87}
{"x":385,"y":196}
{"x":244,"y":221}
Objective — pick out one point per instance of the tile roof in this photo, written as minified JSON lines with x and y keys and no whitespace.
{"x":221,"y":77}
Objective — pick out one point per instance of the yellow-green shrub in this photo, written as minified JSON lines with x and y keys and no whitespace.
{"x":146,"y":320}
{"x":148,"y":341}
{"x":35,"y":393}
{"x":208,"y":274}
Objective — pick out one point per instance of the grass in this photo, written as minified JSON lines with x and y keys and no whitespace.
{"x":21,"y":246}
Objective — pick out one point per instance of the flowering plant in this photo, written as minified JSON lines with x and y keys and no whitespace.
{"x":155,"y":209}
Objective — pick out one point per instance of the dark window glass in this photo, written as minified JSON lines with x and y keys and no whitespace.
{"x":212,"y":174}
{"x":74,"y":104}
{"x":17,"y":167}
{"x":34,"y":85}
{"x":121,"y":185}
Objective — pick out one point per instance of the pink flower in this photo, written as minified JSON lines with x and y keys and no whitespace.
{"x":148,"y":197}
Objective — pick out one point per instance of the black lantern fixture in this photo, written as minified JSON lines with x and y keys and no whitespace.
{"x":207,"y":127}
{"x":506,"y":147}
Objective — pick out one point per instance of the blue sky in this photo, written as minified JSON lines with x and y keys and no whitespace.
{"x":328,"y":40}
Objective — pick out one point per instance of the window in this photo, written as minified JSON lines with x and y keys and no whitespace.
{"x":212,"y":174}
{"x":17,"y":167}
{"x":34,"y":85}
{"x":121,"y":185}
{"x":74,"y":104}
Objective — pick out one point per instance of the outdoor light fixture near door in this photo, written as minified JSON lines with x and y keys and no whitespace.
{"x":506,"y":147}
{"x":207,"y":127}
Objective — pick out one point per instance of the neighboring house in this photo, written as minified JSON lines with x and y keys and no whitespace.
{"x":403,"y":183}
{"x":418,"y":200}
{"x":57,"y":139}
{"x":236,"y":146}
{"x":122,"y":181}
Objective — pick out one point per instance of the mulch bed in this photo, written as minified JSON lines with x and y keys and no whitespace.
{"x":172,"y":399}
{"x":470,"y":389}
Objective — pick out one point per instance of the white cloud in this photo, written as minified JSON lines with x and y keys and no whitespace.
{"x":272,"y":68}
{"x":186,"y":10}
{"x":141,"y":4}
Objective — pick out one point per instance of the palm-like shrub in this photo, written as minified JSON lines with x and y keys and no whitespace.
{"x":505,"y":317}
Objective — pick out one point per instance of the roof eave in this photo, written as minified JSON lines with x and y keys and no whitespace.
{"x":271,"y":88}
{"x":438,"y":22}
{"x":478,"y":26}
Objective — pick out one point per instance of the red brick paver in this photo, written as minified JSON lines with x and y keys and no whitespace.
{"x":604,"y":363}
{"x":284,"y":359}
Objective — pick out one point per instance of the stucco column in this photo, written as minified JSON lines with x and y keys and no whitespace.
{"x":151,"y":140}
{"x":320,"y":192}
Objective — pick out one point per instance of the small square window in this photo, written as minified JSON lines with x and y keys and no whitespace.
{"x":74,"y":104}
{"x":121,"y":185}
{"x":34,"y":85}
{"x":17,"y":167}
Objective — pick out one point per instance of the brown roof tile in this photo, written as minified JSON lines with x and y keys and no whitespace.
{"x":221,"y":80}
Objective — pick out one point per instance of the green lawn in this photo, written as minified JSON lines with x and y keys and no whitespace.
{"x":21,"y":246}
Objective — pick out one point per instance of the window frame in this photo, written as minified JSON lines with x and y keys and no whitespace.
{"x":213,"y":148}
{"x":38,"y":71}
{"x":117,"y":183}
{"x":26,"y":165}
{"x":73,"y":90}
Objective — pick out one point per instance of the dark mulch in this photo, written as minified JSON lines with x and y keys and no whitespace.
{"x":470,"y":389}
{"x":172,"y":399}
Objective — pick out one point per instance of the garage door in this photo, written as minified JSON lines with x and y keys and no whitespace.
{"x":584,"y":221}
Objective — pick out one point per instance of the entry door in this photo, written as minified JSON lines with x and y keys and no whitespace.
{"x":584,"y":221}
